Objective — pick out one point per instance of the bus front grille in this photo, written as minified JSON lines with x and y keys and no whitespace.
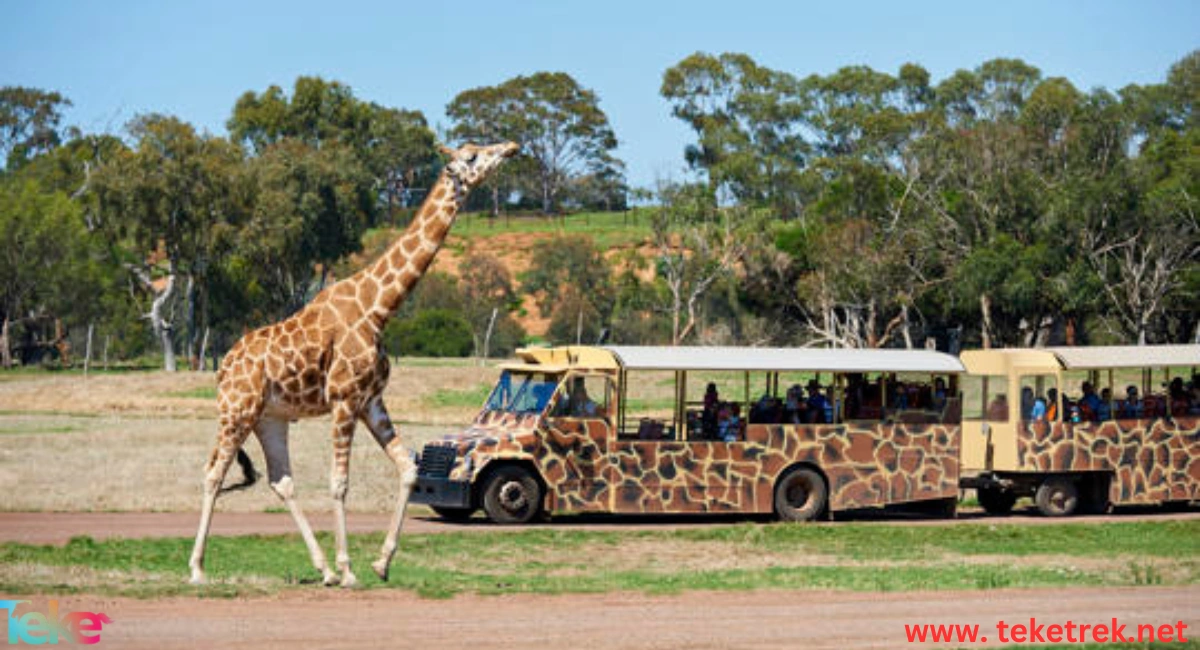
{"x":436,"y":460}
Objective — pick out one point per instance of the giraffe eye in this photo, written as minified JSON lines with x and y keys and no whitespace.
{"x":471,"y":160}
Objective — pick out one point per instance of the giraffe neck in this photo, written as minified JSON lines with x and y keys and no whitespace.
{"x":399,"y":269}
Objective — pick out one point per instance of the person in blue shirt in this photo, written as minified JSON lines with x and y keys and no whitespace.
{"x":1104,"y":410}
{"x":816,"y":403}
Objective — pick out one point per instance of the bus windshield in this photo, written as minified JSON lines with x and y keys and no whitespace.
{"x":522,"y":392}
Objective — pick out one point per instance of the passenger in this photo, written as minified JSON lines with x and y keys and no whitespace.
{"x":582,"y":406}
{"x":730,"y":424}
{"x":708,"y":419}
{"x":1038,"y":412}
{"x":794,"y":407}
{"x":939,"y":394}
{"x":816,"y":403}
{"x":1180,"y":402}
{"x":1104,"y":410}
{"x":1027,"y":403}
{"x":900,"y":397}
{"x":711,"y":398}
{"x":1132,"y":408}
{"x":1089,"y":404}
{"x":1052,"y":404}
{"x":998,"y":409}
{"x":765,"y":411}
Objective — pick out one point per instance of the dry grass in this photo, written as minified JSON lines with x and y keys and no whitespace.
{"x":138,"y":441}
{"x":157,"y":394}
{"x":155,"y":464}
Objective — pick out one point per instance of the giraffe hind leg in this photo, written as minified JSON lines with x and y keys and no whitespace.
{"x":380,"y":425}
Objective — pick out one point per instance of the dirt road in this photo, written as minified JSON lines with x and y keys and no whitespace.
{"x":334,"y":619}
{"x":59,"y":527}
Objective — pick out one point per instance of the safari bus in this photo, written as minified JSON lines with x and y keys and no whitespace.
{"x":800,"y":433}
{"x":1080,"y":428}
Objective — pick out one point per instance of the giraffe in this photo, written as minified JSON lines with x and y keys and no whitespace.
{"x":327,"y":359}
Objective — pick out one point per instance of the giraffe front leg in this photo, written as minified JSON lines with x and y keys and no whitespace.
{"x":380,"y":424}
{"x":229,"y":440}
{"x":339,"y":484}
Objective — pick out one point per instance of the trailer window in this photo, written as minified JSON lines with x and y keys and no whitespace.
{"x":985,"y":397}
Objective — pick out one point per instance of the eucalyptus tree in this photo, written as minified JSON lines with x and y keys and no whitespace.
{"x":562,"y":130}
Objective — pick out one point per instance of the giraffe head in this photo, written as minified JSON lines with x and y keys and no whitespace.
{"x":470,"y":164}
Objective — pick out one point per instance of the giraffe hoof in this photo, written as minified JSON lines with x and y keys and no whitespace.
{"x":198,"y":578}
{"x":330,"y":579}
{"x":349,"y":581}
{"x":381,"y":569}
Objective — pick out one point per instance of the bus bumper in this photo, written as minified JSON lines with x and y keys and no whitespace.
{"x":441,"y":492}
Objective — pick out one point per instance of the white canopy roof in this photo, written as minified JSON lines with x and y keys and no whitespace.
{"x":1128,"y":356}
{"x":783,"y":359}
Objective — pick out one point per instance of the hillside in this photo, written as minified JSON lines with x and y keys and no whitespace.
{"x":511,"y":240}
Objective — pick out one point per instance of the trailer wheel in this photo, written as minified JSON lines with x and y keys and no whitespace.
{"x":1057,"y":496}
{"x":800,"y":495}
{"x":996,"y":500}
{"x":512,"y":496}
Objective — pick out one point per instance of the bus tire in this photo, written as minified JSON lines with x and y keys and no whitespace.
{"x":801,"y":495}
{"x":1057,"y":496}
{"x":996,"y":500}
{"x":453,"y":514}
{"x":512,"y":495}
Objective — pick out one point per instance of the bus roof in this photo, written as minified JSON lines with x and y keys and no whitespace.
{"x":1000,"y":361}
{"x":782,"y":359}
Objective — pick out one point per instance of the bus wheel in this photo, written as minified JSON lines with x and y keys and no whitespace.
{"x":1057,"y":497}
{"x":996,"y":500}
{"x":512,"y":496}
{"x":453,"y":514}
{"x":800,"y":495}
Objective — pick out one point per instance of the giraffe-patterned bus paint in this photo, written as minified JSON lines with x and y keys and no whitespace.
{"x":1148,"y":460}
{"x":586,"y":468}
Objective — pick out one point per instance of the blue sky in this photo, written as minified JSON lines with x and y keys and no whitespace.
{"x":115,"y":59}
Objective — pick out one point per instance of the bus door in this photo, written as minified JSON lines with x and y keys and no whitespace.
{"x":578,"y":428}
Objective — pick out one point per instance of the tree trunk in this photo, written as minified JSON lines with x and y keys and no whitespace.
{"x":985,"y":308}
{"x":162,"y":329}
{"x":193,"y":337}
{"x":203,"y":349}
{"x":5,"y":348}
{"x":87,"y":354}
{"x":62,"y":344}
{"x":487,"y":337}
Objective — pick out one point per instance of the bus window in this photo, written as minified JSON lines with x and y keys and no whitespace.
{"x":921,"y":398}
{"x":586,"y":396}
{"x":1039,"y":396}
{"x":985,"y":398}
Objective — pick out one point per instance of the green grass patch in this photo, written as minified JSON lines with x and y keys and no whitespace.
{"x":200,"y":392}
{"x":448,"y":398}
{"x":607,"y":229}
{"x":23,"y":428}
{"x":1163,"y":539}
{"x":858,"y":557}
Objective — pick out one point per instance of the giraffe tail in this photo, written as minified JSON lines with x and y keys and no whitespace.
{"x":249,"y":474}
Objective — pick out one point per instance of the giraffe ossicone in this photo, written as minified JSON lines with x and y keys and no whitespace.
{"x":327,"y":359}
